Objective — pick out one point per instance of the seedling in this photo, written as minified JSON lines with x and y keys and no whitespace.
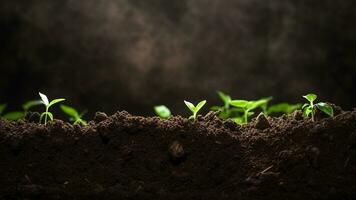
{"x":283,"y":108}
{"x":162,"y":111}
{"x":48,"y":104}
{"x":264,"y":104}
{"x":194,"y":109}
{"x":74,"y":115}
{"x":310,"y":109}
{"x":224,"y":111}
{"x":247,"y":108}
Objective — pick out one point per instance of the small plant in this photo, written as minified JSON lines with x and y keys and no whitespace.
{"x":224,"y":111}
{"x":264,"y":104}
{"x":48,"y":104}
{"x":194,"y":109}
{"x":310,"y":109}
{"x":283,"y":108}
{"x":162,"y":111}
{"x":247,"y":108}
{"x":74,"y":115}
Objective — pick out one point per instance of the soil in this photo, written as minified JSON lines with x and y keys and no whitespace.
{"x":132,"y":157}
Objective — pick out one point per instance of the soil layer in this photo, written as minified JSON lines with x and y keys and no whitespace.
{"x":131,"y":157}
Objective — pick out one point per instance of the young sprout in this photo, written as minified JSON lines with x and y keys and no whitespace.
{"x":75,"y":117}
{"x":224,"y":111}
{"x":310,"y":109}
{"x":247,"y":107}
{"x":194,"y":109}
{"x":264,"y":104}
{"x":283,"y":108}
{"x":162,"y":111}
{"x":48,"y":104}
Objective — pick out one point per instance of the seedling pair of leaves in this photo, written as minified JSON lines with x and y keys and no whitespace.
{"x":194,"y":109}
{"x":48,"y":104}
{"x":247,"y":108}
{"x":74,"y":115}
{"x":225,"y":111}
{"x":309,"y":109}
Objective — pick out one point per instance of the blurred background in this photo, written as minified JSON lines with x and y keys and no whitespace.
{"x":132,"y":54}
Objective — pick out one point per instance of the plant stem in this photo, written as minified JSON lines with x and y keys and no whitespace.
{"x":46,"y":115}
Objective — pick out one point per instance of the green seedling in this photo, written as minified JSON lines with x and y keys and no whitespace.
{"x":194,"y":109}
{"x":283,"y":108}
{"x":264,"y":104}
{"x":224,"y":111}
{"x":162,"y":111}
{"x":310,"y":108}
{"x":48,"y":104}
{"x":247,"y":108}
{"x":74,"y":115}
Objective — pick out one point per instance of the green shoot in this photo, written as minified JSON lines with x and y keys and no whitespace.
{"x":264,"y":104}
{"x":247,"y":107}
{"x":283,"y":108}
{"x":224,"y":111}
{"x":310,"y":109}
{"x":48,"y":104}
{"x":194,"y":109}
{"x":162,"y":111}
{"x":74,"y":115}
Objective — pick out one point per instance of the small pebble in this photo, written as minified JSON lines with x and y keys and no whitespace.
{"x":262,"y":122}
{"x":100,"y":116}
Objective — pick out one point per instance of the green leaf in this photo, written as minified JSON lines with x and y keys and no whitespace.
{"x":200,"y":105}
{"x":2,"y":108}
{"x":307,"y":111}
{"x":326,"y":108}
{"x":14,"y":116}
{"x":162,"y":111}
{"x":50,"y":115}
{"x":311,"y":97}
{"x":190,"y":106}
{"x":44,"y":99}
{"x":216,"y":108}
{"x":305,"y":106}
{"x":28,"y":105}
{"x":239,"y":103}
{"x":55,"y":101}
{"x":70,"y":111}
{"x":224,"y":97}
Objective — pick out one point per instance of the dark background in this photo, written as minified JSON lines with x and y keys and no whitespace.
{"x":132,"y":54}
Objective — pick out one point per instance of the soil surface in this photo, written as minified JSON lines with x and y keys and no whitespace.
{"x":131,"y":157}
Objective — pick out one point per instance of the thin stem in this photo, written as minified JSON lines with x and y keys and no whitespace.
{"x":313,"y":110}
{"x":46,"y":115}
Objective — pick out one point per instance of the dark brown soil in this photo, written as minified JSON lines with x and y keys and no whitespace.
{"x":130,"y":157}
